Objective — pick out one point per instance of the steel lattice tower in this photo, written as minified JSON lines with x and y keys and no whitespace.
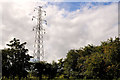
{"x":39,"y":35}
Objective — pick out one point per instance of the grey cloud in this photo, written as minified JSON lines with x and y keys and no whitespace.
{"x":89,"y":27}
{"x":63,"y":33}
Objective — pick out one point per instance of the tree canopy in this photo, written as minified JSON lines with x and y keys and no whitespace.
{"x":89,"y":62}
{"x":15,"y":60}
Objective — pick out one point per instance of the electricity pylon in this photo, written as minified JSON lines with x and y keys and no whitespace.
{"x":39,"y":34}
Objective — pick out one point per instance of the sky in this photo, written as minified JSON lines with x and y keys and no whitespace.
{"x":71,"y":25}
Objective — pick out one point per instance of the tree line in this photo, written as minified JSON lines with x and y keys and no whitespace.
{"x":89,"y":62}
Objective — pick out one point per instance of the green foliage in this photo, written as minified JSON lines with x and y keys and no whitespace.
{"x":94,"y":66}
{"x":39,"y":68}
{"x":15,"y":61}
{"x":45,"y":70}
{"x":94,"y":62}
{"x":88,"y":63}
{"x":70,"y":63}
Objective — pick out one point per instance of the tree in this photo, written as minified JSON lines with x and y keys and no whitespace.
{"x":70,"y":63}
{"x":54,"y":70}
{"x":5,"y":63}
{"x":95,"y":67}
{"x":91,"y":62}
{"x":112,"y":52}
{"x":102,"y":61}
{"x":15,"y":60}
{"x":40,"y":69}
{"x":50,"y":70}
{"x":60,"y":70}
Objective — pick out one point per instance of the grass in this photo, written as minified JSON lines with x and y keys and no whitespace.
{"x":36,"y":78}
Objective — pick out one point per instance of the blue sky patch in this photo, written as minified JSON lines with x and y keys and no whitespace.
{"x":73,"y":6}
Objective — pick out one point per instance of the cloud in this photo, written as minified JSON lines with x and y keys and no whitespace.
{"x":65,"y":30}
{"x":0,"y":27}
{"x":16,"y":21}
{"x":79,"y":28}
